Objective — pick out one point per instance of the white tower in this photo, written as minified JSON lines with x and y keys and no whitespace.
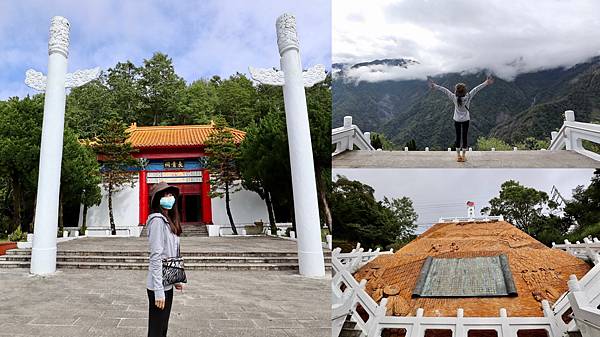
{"x":470,"y":209}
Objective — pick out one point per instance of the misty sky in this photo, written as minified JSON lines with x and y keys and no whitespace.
{"x":464,"y":35}
{"x":439,"y":193}
{"x":204,"y":38}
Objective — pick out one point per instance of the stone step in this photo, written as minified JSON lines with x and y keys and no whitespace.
{"x":350,"y":333}
{"x":188,"y":231}
{"x":349,"y":325}
{"x":144,"y":266}
{"x":349,"y":328}
{"x":27,"y":252}
{"x":144,"y":259}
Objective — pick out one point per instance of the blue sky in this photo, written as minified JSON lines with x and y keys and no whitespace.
{"x":203,"y":38}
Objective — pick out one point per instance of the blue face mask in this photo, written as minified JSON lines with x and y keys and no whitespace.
{"x":167,"y":202}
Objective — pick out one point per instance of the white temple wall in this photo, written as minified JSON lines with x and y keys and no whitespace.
{"x":125,"y":211}
{"x":246,"y":207}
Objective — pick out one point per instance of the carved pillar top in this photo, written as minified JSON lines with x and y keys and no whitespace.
{"x":59,"y":36}
{"x":287,"y":37}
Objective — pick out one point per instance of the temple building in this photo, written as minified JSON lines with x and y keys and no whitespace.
{"x":176,"y":155}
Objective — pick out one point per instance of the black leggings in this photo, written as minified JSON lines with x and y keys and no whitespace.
{"x":158,"y":320}
{"x":462,"y":129}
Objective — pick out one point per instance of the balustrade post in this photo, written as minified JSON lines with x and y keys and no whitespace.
{"x":459,"y":327}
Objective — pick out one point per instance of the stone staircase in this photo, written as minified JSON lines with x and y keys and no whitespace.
{"x":188,"y":231}
{"x":349,"y":329}
{"x":138,"y":260}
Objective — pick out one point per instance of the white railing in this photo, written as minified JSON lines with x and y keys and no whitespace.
{"x":472,"y":218}
{"x":348,"y":295}
{"x":588,"y":250}
{"x":572,"y":133}
{"x":583,"y":297}
{"x":347,"y":136}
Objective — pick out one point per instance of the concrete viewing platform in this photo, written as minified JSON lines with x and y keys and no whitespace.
{"x":475,"y":159}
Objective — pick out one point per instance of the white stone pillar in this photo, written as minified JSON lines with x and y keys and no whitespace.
{"x":293,"y":80}
{"x":306,"y":207}
{"x":43,"y":253}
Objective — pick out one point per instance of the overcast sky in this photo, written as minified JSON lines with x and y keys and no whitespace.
{"x":507,"y":37}
{"x":439,"y":193}
{"x":203,"y":38}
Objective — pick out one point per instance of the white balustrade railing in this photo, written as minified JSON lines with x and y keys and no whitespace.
{"x":472,"y":218}
{"x":571,"y":136}
{"x":588,"y":250}
{"x":348,"y":135}
{"x":348,"y":295}
{"x":583,"y":297}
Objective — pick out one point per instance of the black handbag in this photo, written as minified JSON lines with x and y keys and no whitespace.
{"x":173,"y":270}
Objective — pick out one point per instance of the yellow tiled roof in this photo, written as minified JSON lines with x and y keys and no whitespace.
{"x":174,"y":136}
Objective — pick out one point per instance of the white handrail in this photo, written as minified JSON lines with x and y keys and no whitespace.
{"x":488,"y":218}
{"x":348,"y":135}
{"x":588,"y":250}
{"x":571,"y":136}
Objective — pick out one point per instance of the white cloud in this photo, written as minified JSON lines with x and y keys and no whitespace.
{"x":203,"y":38}
{"x":465,"y":35}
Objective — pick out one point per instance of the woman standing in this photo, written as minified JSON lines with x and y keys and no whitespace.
{"x":462,"y":101}
{"x":164,"y":229}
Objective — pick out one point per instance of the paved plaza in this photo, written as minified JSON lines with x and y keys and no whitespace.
{"x":475,"y":159}
{"x":114,"y":303}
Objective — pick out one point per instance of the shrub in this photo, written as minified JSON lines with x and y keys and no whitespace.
{"x":17,"y":235}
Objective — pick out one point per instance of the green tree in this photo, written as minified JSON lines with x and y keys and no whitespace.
{"x":20,"y":134}
{"x":88,"y":107}
{"x":118,"y":165}
{"x":379,"y":141}
{"x":531,"y":143}
{"x":223,"y":155}
{"x":318,"y":100}
{"x":487,"y":143}
{"x":401,"y":218}
{"x":237,"y":97}
{"x":522,"y":206}
{"x":196,"y":103}
{"x":80,"y":176}
{"x":358,"y":217}
{"x":161,"y":88}
{"x":411,"y":145}
{"x":584,"y":208}
{"x":126,"y":90}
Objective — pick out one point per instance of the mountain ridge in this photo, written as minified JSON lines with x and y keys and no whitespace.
{"x":531,"y":105}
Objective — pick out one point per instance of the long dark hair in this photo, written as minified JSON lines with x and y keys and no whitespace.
{"x":171,"y":214}
{"x":460,"y":90}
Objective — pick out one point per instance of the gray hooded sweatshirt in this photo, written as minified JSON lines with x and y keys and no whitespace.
{"x":461,"y":112}
{"x":163,"y":244}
